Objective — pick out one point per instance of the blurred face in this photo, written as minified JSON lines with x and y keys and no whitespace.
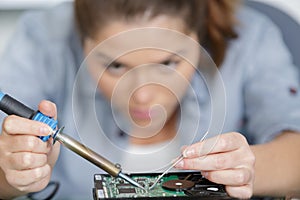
{"x":143,"y":71}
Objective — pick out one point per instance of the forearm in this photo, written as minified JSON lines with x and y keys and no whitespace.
{"x":277,"y":168}
{"x":6,"y":190}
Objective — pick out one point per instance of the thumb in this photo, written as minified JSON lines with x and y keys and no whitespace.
{"x":48,"y":108}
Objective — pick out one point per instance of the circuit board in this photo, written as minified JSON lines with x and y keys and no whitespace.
{"x":181,"y":185}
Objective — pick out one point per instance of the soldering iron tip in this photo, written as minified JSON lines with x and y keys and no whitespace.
{"x":131,"y":181}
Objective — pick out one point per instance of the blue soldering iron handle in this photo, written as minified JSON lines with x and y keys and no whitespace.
{"x":11,"y":106}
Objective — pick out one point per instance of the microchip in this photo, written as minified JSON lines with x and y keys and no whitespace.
{"x":141,"y":179}
{"x":126,"y":190}
{"x":99,"y":185}
{"x":123,"y":185}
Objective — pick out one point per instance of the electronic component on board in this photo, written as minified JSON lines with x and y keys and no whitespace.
{"x":178,"y":185}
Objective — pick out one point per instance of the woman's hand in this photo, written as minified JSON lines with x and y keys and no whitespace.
{"x":26,"y":161}
{"x":225,"y":159}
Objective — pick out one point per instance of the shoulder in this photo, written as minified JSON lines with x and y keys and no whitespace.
{"x":45,"y":43}
{"x":257,"y":36}
{"x":253,"y":23}
{"x":246,"y":14}
{"x":259,"y":47}
{"x":50,"y":33}
{"x":54,"y":24}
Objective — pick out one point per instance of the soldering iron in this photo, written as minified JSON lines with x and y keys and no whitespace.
{"x":12,"y":106}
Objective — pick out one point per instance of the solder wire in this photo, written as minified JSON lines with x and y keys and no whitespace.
{"x":180,"y":158}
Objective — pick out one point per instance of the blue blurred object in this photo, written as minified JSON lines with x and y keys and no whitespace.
{"x":11,"y":106}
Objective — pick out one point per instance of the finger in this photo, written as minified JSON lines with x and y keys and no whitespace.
{"x":230,"y":177}
{"x":25,"y":160}
{"x":210,"y":162}
{"x":28,"y":143}
{"x":27,"y":177}
{"x":183,"y":148}
{"x":18,"y":125}
{"x":241,"y":192}
{"x":48,"y":108}
{"x":222,"y":143}
{"x":36,"y":186}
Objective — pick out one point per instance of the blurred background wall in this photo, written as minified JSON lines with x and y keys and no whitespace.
{"x":11,"y":10}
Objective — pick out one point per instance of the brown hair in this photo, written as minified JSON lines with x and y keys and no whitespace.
{"x":213,"y":20}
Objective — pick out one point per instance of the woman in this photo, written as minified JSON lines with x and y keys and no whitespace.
{"x":148,"y":92}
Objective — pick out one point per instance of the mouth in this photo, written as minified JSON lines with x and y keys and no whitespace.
{"x":140,"y":114}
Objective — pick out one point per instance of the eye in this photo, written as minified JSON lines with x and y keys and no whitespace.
{"x":171,"y":63}
{"x":116,"y":69}
{"x":169,"y":66}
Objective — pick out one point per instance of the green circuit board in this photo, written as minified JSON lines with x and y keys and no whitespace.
{"x":108,"y":187}
{"x":116,"y":187}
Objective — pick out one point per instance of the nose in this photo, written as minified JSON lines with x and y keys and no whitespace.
{"x":142,"y":95}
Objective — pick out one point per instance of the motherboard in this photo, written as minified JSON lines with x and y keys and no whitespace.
{"x":176,"y":185}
